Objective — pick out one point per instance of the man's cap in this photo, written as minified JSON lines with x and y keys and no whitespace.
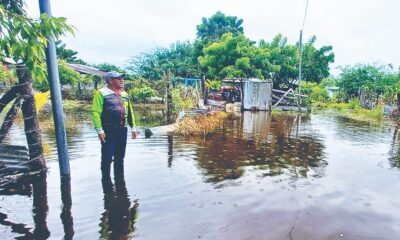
{"x":111,"y":75}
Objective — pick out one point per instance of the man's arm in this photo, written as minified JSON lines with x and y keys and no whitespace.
{"x":97,"y":110}
{"x":131,"y":119}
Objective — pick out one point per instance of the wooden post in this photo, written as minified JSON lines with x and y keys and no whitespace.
{"x":169,"y":96}
{"x":32,"y":130}
{"x":203,"y":88}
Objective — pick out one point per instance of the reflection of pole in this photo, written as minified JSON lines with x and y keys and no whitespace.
{"x":56,"y":101}
{"x":66,"y":216}
{"x":170,"y":149}
{"x":40,"y":207}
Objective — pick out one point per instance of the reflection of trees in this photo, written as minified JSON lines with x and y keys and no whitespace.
{"x":394,"y":154}
{"x":36,"y":186}
{"x":268,"y":143}
{"x":119,"y":218}
{"x":147,"y":117}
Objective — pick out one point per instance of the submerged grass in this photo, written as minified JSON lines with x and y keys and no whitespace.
{"x":353,"y":110}
{"x":201,"y":125}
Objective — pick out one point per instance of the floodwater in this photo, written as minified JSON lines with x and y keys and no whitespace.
{"x":307,"y":177}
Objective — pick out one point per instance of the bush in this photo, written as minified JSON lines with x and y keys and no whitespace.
{"x":184,"y":100}
{"x":142,"y":94}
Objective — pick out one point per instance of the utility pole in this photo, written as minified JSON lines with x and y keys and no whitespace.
{"x":300,"y":56}
{"x":56,"y":101}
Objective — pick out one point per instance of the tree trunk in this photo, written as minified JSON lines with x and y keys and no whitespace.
{"x":32,"y":130}
{"x":9,"y":120}
{"x":9,"y":96}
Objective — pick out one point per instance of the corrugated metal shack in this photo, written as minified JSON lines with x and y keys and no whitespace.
{"x":257,"y":94}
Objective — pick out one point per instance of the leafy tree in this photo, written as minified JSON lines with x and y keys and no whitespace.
{"x":24,"y":38}
{"x":316,"y":61}
{"x":67,"y":77}
{"x":378,"y":79}
{"x":66,"y":54}
{"x":234,"y":57}
{"x":142,"y":94}
{"x":212,"y":29}
{"x":283,"y":59}
{"x":178,"y":59}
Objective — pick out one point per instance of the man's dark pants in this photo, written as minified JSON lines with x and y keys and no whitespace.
{"x":113,"y":149}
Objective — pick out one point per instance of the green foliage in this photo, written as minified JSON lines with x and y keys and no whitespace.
{"x":7,"y":77}
{"x":66,"y":54}
{"x":354,"y":103}
{"x":183,"y":100}
{"x":177,"y":59}
{"x":24,"y":39}
{"x":212,"y":29}
{"x":315,"y":93}
{"x":213,"y":84}
{"x":221,"y":50}
{"x":142,"y":94}
{"x":316,"y":62}
{"x":234,"y":57}
{"x":379,"y":79}
{"x":67,"y":77}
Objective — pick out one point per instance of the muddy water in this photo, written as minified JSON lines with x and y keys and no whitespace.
{"x":258,"y":177}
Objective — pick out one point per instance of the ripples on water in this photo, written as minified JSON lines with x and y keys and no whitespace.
{"x":258,"y":177}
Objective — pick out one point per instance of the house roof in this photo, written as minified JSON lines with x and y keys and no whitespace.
{"x":83,"y":69}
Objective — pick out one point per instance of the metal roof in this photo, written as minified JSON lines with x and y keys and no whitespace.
{"x":83,"y":69}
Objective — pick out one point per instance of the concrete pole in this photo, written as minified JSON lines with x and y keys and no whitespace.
{"x":56,"y":101}
{"x":300,"y":56}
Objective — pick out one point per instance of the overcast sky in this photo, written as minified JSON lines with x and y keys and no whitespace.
{"x":360,"y":31}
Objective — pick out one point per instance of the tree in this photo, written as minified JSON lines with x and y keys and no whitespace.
{"x":283,"y":59}
{"x":66,"y":54}
{"x":316,"y":61}
{"x":178,"y":59}
{"x":212,"y":29}
{"x":234,"y":57}
{"x":24,"y":40}
{"x":378,"y":79}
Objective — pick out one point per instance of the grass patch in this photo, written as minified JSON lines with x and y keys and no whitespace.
{"x":201,"y":125}
{"x":352,"y":110}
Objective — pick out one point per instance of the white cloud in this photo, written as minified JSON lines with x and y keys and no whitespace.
{"x":113,"y":31}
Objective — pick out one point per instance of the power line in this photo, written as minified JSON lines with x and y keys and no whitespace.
{"x":305,"y":14}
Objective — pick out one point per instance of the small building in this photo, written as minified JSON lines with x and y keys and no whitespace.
{"x":257,"y":94}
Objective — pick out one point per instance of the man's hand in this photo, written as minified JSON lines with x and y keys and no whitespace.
{"x":134,"y":134}
{"x":102,"y":137}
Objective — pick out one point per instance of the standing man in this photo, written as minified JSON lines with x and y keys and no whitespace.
{"x":111,"y":113}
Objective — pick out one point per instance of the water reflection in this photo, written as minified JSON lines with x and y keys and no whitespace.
{"x":394,"y":153}
{"x":66,"y":215}
{"x":119,"y":218}
{"x":269,"y":144}
{"x":36,"y":186}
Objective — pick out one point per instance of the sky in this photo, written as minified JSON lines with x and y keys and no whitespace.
{"x":360,"y":31}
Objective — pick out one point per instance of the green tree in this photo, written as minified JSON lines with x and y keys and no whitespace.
{"x":234,"y":57}
{"x":66,"y":54}
{"x":24,"y":38}
{"x":212,"y":29}
{"x":316,"y":61}
{"x":284,"y":59}
{"x":178,"y":59}
{"x":67,"y":77}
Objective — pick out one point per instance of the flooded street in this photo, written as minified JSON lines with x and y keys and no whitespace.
{"x":261,"y":176}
